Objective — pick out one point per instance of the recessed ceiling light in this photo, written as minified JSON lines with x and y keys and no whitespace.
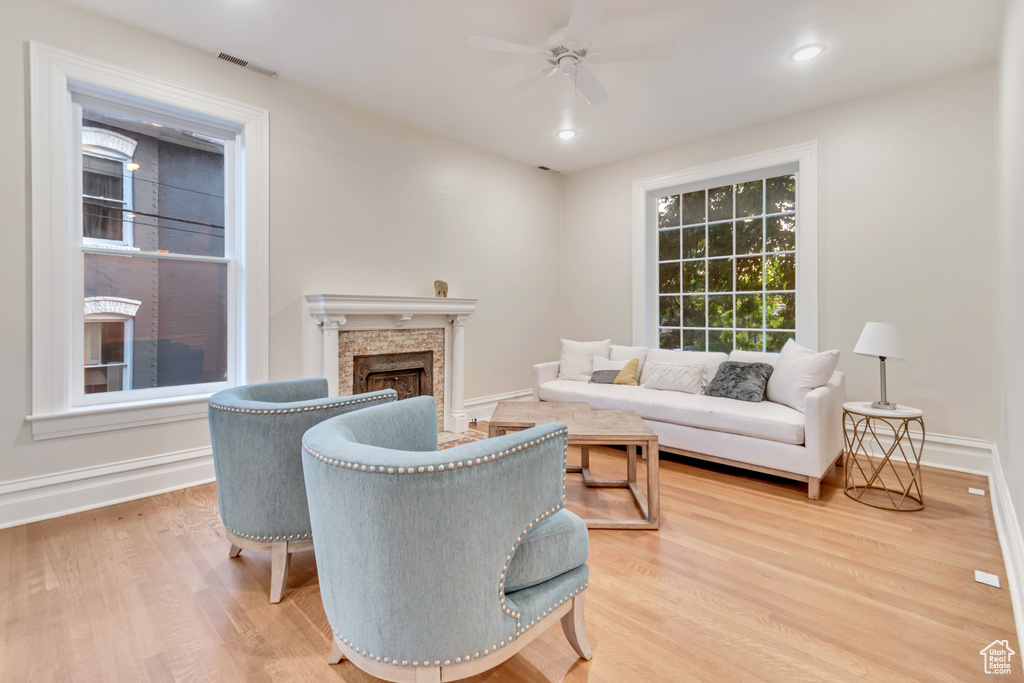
{"x":567,"y":134}
{"x":802,"y":54}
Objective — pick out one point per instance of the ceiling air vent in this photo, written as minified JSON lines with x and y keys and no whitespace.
{"x":245,"y":63}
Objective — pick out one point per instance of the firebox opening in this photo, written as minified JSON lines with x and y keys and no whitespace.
{"x":410,"y":374}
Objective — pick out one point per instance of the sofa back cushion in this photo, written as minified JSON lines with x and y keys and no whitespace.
{"x":754,"y":357}
{"x":629,"y":353}
{"x":709,"y":359}
{"x":577,"y":361}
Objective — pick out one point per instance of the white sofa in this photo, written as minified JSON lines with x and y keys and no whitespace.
{"x":767,"y":437}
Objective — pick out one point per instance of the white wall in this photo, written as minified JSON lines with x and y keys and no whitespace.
{"x":906,"y":196}
{"x":358,"y":205}
{"x":1009,"y":384}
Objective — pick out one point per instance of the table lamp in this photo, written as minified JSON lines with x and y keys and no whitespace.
{"x":881,"y":340}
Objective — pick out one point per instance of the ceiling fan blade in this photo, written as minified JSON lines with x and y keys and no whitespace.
{"x":633,"y":53}
{"x":535,"y":78}
{"x":589,"y":87}
{"x":505,"y":46}
{"x":585,"y":16}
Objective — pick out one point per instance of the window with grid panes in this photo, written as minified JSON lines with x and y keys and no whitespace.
{"x":727,"y":266}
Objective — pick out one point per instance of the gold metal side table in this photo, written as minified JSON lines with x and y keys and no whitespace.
{"x":882,"y":457}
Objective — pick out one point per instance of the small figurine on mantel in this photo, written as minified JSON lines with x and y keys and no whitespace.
{"x":440,"y":288}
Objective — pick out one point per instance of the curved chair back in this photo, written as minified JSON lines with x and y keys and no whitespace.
{"x":256,"y":431}
{"x":413,"y":545}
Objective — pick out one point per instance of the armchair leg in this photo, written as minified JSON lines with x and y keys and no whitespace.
{"x":336,"y":655}
{"x":234,"y":551}
{"x":280,"y":559}
{"x":814,"y":488}
{"x":575,"y":629}
{"x":428,"y":674}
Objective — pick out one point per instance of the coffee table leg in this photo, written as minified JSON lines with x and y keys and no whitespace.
{"x":585,"y":457}
{"x":653,"y":483}
{"x":631,"y":463}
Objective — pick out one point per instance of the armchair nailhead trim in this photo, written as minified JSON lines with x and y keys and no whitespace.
{"x":304,"y":409}
{"x":432,"y":469}
{"x":520,"y":631}
{"x":270,"y":539}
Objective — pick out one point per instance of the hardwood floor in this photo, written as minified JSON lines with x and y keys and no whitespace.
{"x":746,"y":580}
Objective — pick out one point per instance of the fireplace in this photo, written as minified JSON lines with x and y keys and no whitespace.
{"x":343,"y":327}
{"x":410,"y":374}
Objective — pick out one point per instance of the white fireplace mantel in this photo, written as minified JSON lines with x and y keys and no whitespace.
{"x":333,"y":313}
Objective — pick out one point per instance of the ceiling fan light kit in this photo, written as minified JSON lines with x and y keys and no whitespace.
{"x":569,"y":49}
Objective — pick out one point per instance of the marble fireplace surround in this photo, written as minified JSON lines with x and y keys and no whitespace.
{"x":333,"y":314}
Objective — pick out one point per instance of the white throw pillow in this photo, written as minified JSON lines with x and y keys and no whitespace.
{"x":628,"y":353}
{"x":709,"y":359}
{"x":688,"y":379}
{"x":797,"y":371}
{"x":577,"y":362}
{"x":605,"y":364}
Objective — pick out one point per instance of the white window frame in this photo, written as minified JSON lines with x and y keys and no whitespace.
{"x":107,"y":144}
{"x":57,"y":245}
{"x":645,"y":233}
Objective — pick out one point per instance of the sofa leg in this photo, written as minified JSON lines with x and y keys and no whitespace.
{"x":336,"y":655}
{"x":814,"y":488}
{"x":574,"y":628}
{"x":234,"y":551}
{"x":280,"y":559}
{"x":428,"y":674}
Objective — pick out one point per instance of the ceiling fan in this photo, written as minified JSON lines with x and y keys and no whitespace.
{"x":569,"y":50}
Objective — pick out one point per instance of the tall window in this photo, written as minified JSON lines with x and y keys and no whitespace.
{"x":149,"y":246}
{"x":725,"y":255}
{"x":727,"y":266}
{"x":161,"y":194}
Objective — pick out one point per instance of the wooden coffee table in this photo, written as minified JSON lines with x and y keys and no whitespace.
{"x":588,"y":427}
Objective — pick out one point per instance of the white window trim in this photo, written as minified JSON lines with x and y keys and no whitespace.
{"x":52,"y":72}
{"x":645,"y":243}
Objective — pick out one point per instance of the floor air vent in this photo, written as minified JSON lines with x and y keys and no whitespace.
{"x":251,"y":66}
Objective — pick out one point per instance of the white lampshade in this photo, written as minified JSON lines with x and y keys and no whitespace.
{"x":881,"y":340}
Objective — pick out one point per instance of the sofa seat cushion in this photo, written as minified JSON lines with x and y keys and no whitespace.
{"x":764,"y":420}
{"x":556,"y":545}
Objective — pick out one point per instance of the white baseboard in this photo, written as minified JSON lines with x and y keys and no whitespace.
{"x":482,"y":407}
{"x":1010,"y":539}
{"x":957,"y":453}
{"x":64,"y":493}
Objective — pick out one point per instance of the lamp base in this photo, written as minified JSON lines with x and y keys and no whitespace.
{"x":884,"y":405}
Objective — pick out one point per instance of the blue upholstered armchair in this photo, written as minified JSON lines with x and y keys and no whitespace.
{"x":257,"y":435}
{"x":441,"y":564}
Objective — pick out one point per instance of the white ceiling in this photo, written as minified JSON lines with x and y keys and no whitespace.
{"x":409,"y":59}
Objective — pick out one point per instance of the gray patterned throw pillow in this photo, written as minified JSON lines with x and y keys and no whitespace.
{"x":741,"y":381}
